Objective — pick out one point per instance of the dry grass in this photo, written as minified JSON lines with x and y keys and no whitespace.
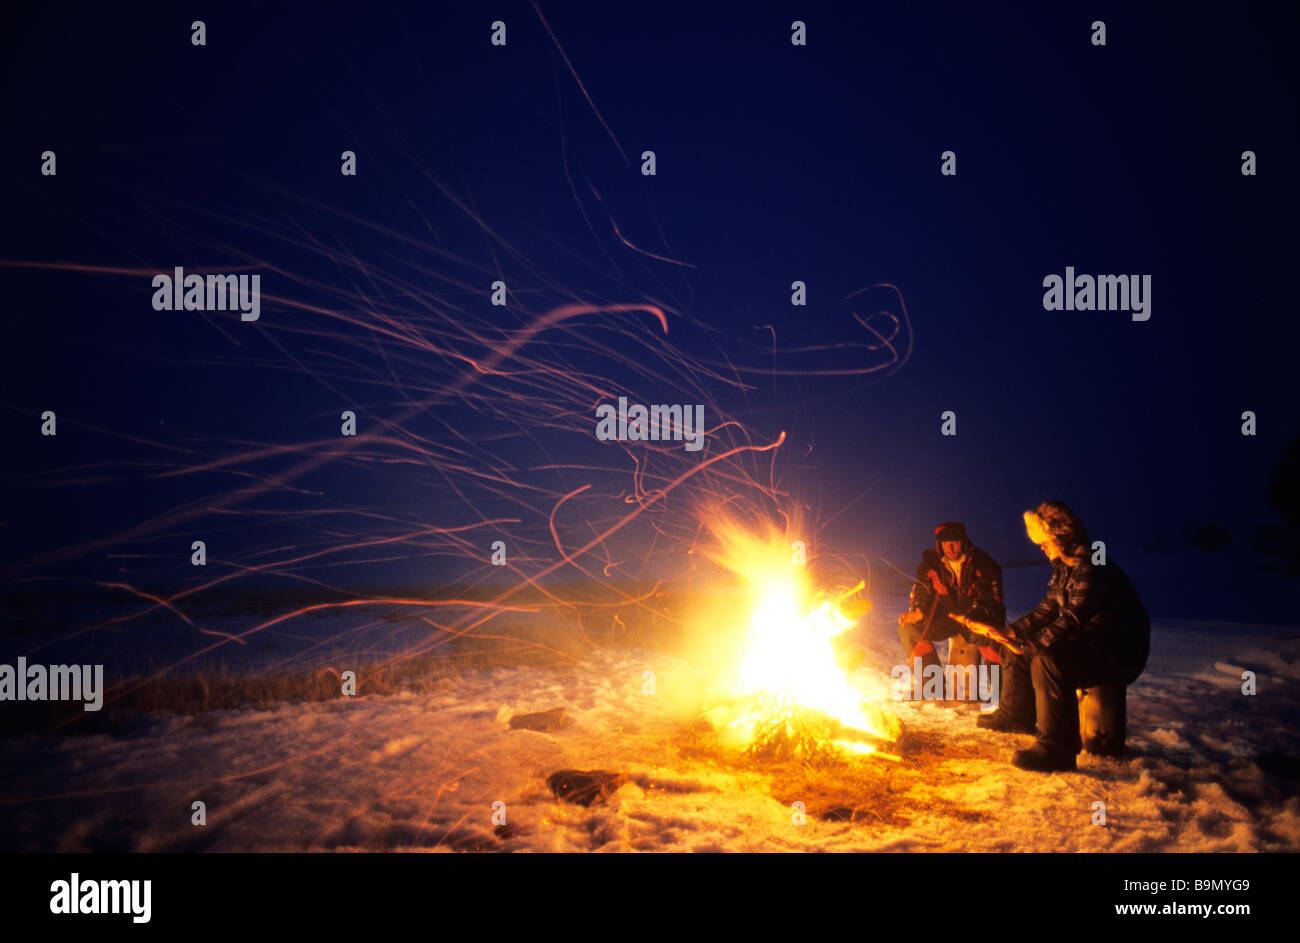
{"x":215,"y":688}
{"x":831,"y":785}
{"x":836,"y":787}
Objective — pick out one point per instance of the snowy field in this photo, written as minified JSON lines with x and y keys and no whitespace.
{"x":1209,"y":769}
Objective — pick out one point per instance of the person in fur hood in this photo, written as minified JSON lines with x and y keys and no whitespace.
{"x":1091,"y":628}
{"x":955,"y":578}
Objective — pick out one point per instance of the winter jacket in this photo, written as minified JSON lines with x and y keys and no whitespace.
{"x":976,"y":595}
{"x":1096,"y":603}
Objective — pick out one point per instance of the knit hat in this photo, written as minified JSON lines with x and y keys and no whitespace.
{"x":950,"y":530}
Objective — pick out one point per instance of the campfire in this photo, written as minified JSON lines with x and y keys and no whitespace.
{"x":791,"y":697}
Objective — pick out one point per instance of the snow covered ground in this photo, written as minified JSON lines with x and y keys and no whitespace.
{"x":1210,"y":769}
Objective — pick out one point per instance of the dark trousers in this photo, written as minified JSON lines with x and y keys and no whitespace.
{"x":1042,"y":688}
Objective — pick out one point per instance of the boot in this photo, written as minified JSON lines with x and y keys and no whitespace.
{"x":1017,"y":710}
{"x":1003,"y":721}
{"x":1042,"y":759}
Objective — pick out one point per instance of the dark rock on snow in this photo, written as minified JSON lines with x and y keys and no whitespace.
{"x":584,"y":786}
{"x":554,"y":719}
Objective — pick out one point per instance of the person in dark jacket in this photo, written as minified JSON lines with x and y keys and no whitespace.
{"x":955,"y":578}
{"x":1091,"y":628}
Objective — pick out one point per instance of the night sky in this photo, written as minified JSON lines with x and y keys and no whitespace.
{"x":775,"y":163}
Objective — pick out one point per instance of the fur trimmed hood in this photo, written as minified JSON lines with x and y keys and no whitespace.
{"x":1056,"y":521}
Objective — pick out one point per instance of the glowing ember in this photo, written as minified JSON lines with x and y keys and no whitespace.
{"x":789,"y":685}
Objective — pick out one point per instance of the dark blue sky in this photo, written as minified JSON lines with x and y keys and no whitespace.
{"x":775,"y":163}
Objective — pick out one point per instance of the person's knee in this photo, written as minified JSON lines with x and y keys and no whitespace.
{"x":1036,"y":667}
{"x":1044,"y":666}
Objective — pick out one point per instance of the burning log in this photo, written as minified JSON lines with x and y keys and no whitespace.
{"x":791,"y":732}
{"x":763,"y":729}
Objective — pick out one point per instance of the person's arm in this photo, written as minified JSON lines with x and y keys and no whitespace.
{"x":1082,"y":603}
{"x":1029,"y":625}
{"x":922,"y":596}
{"x":988,"y":606}
{"x":919,"y":601}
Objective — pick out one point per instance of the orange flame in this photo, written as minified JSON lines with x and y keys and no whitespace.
{"x":789,"y":659}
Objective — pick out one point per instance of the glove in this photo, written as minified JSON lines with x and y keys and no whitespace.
{"x":938,"y":583}
{"x":990,"y":655}
{"x":922,"y":649}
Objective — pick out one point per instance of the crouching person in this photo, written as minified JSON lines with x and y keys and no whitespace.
{"x":1091,"y":628}
{"x":956,"y":578}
